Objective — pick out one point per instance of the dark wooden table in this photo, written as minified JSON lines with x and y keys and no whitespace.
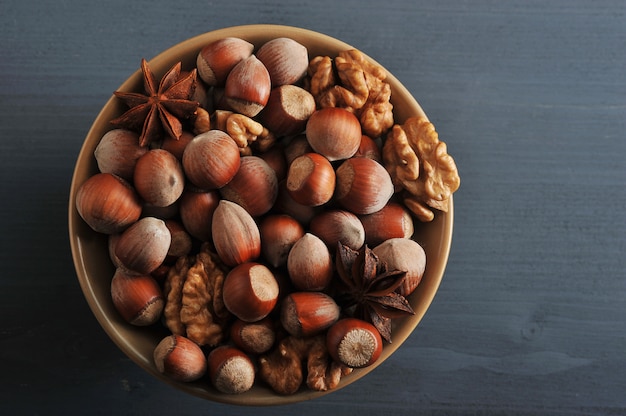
{"x":531,"y":98}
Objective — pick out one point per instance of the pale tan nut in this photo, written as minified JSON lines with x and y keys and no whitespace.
{"x":201,"y":121}
{"x":437,"y":177}
{"x":173,"y":293}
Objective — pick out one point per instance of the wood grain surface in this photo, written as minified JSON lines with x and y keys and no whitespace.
{"x":530,"y":97}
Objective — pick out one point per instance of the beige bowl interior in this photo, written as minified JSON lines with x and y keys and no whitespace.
{"x":95,"y":270}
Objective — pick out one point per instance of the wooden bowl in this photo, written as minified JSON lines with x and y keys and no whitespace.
{"x":95,"y":270}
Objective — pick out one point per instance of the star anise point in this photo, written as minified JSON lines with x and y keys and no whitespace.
{"x":371,"y":288}
{"x":159,"y":110}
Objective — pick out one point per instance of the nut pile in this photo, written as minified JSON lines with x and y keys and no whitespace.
{"x":260,"y":206}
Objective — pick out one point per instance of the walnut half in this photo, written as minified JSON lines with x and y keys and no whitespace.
{"x":419,"y":164}
{"x":194,"y":304}
{"x":360,"y":89}
{"x":284,"y":369}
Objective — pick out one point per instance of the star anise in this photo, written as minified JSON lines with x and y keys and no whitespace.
{"x":161,"y":108}
{"x":369,"y":288}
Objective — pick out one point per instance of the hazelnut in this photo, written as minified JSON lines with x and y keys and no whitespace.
{"x":285,"y":204}
{"x":181,"y":240}
{"x":118,"y":151}
{"x":297,"y":146}
{"x":338,"y":226}
{"x":254,"y":186}
{"x":354,"y":343}
{"x":305,"y":314}
{"x":334,"y":132}
{"x":253,"y":337}
{"x":286,"y":60}
{"x":250,"y":291}
{"x":403,"y":254}
{"x":211,"y":160}
{"x":363,"y":186}
{"x":287,"y":110}
{"x":196,"y":212}
{"x":231,"y":371}
{"x":248,"y":87}
{"x":235,"y":234}
{"x":180,"y":359}
{"x":311,"y":180}
{"x":137,"y":298}
{"x":177,"y":146}
{"x":218,"y":58}
{"x":275,"y":158}
{"x":107,"y":203}
{"x":369,"y":148}
{"x":309,"y":264}
{"x":159,"y":178}
{"x":279,"y":232}
{"x":392,"y":221}
{"x":144,"y":245}
{"x":111,"y":243}
{"x":166,"y":212}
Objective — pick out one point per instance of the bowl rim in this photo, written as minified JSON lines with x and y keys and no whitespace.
{"x":168,"y":57}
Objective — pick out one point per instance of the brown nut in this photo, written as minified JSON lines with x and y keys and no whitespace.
{"x":118,"y":151}
{"x":334,"y":132}
{"x":369,"y":148}
{"x":285,"y":204}
{"x":354,"y":343}
{"x":279,"y":232}
{"x":254,"y":186}
{"x":403,"y":254}
{"x":164,"y":213}
{"x":338,"y":226}
{"x":196,"y":212}
{"x":137,"y":298}
{"x":363,"y":186}
{"x":287,"y":110}
{"x":144,"y":245}
{"x":311,"y":180}
{"x":218,"y":58}
{"x":305,"y":314}
{"x":275,"y":158}
{"x":253,"y":337}
{"x":309,"y":264}
{"x":181,"y":240}
{"x":211,"y":160}
{"x":235,"y":234}
{"x":250,"y":291}
{"x":180,"y":359}
{"x":107,"y":203}
{"x":297,"y":146}
{"x":392,"y":221}
{"x":231,"y":371}
{"x":177,"y":147}
{"x":248,"y":87}
{"x":286,"y":60}
{"x":159,"y":178}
